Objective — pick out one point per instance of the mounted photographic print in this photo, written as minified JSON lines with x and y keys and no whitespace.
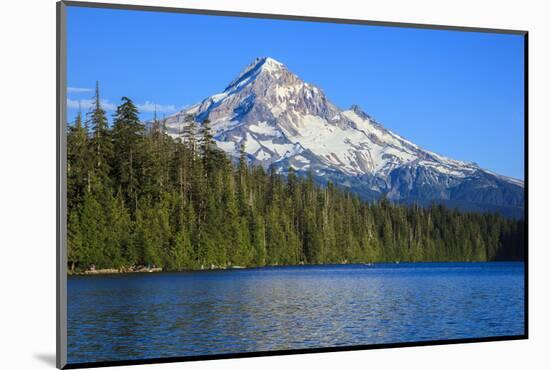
{"x":234,"y":184}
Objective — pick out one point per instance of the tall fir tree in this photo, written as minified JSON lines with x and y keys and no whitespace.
{"x":101,"y":144}
{"x":128,"y":145}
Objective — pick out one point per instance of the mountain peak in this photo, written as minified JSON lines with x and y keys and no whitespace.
{"x":357,"y":110}
{"x":258,"y":66}
{"x":286,"y":122}
{"x":267,"y":63}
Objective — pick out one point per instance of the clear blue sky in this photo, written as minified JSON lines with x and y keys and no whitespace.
{"x":459,"y":94}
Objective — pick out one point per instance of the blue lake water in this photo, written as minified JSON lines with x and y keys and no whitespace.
{"x":139,"y":316}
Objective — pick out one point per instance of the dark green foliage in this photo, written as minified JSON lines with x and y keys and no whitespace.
{"x":101,"y":145}
{"x":137,"y":197}
{"x":78,"y":169}
{"x":129,"y":150}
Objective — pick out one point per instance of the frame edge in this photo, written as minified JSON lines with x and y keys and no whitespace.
{"x":61,"y":214}
{"x":290,"y":17}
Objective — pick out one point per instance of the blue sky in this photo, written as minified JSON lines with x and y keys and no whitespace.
{"x":459,"y":94}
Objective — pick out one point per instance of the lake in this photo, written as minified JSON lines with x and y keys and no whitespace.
{"x":140,"y":316}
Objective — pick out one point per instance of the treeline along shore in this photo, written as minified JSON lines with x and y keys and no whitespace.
{"x":139,"y":199}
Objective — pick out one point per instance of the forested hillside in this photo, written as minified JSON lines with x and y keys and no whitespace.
{"x":137,"y":197}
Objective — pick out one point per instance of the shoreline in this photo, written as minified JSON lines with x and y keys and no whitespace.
{"x":141,"y":270}
{"x":144,"y":270}
{"x":110,"y":271}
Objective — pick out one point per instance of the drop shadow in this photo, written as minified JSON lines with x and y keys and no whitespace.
{"x":47,"y":358}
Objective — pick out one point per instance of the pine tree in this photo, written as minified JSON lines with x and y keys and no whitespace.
{"x":128,"y":145}
{"x":78,"y":163}
{"x":92,"y":234}
{"x":101,"y":145}
{"x":189,"y":134}
{"x":75,"y":243}
{"x":207,"y":146}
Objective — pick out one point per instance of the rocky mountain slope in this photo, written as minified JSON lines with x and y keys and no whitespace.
{"x":285,"y":122}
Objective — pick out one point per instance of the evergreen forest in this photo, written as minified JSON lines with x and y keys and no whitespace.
{"x":138,"y":197}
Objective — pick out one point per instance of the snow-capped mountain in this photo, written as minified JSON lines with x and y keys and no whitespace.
{"x":285,"y":122}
